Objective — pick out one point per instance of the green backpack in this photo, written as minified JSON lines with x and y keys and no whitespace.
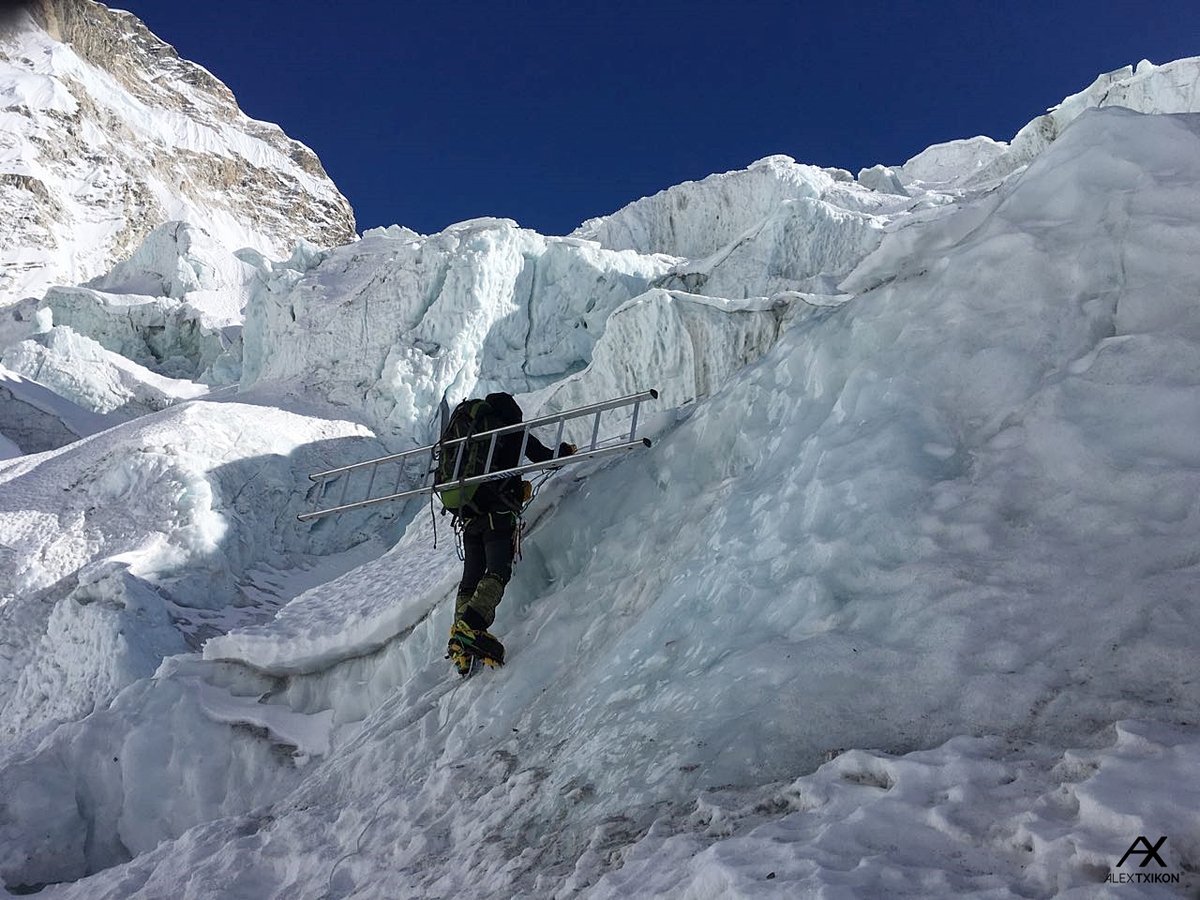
{"x":469,"y":417}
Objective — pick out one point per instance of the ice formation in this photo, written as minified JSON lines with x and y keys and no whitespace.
{"x":899,"y":603}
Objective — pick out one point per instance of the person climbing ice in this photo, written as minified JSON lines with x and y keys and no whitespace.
{"x":487,"y":516}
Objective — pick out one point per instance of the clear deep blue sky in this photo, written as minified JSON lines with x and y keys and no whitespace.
{"x":552,"y":112}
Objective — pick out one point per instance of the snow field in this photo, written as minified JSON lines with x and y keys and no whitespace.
{"x":1017,"y":819}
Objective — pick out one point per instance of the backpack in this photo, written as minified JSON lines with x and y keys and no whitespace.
{"x":469,"y":417}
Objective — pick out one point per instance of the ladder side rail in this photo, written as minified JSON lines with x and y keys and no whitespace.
{"x":548,"y":464}
{"x":578,"y":411}
{"x":532,"y":423}
{"x":329,"y":473}
{"x":519,"y":470}
{"x":555,"y":418}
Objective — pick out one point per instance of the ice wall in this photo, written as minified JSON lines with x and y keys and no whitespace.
{"x":698,"y":218}
{"x":391,"y":325}
{"x":35,"y":418}
{"x":175,"y":306}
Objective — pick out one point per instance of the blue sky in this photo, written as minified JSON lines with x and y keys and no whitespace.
{"x":550,"y":113}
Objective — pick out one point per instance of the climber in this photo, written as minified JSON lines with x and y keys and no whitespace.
{"x":488,"y":516}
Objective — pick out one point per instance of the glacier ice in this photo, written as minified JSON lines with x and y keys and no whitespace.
{"x":481,"y":306}
{"x":925,"y":467}
{"x":131,"y":544}
{"x":81,"y":370}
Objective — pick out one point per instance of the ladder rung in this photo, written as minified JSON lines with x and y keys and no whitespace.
{"x":478,"y":479}
{"x":651,"y":394}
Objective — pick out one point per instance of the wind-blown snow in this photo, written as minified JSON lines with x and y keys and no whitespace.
{"x":899,"y":603}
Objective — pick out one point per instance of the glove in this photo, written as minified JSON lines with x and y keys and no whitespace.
{"x":526,"y":491}
{"x":566,"y":449}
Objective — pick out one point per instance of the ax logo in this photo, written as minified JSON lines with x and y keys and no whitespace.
{"x":1150,"y":853}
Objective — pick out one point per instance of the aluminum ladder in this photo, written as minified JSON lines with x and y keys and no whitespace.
{"x":369,"y":470}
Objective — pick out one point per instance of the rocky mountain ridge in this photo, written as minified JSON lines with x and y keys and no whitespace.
{"x":106,"y":133}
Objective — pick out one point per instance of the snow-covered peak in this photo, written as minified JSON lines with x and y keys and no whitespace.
{"x":107,"y":133}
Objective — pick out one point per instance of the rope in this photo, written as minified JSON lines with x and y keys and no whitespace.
{"x":433,"y":456}
{"x":375,"y":817}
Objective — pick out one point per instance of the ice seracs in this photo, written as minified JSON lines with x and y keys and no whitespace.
{"x":396,"y":322}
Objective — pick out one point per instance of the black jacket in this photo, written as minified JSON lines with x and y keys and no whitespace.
{"x":504,"y":495}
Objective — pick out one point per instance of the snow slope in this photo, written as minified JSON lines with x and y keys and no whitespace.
{"x":899,"y":604}
{"x":980,"y":161}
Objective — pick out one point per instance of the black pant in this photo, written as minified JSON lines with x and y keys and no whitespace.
{"x":487,"y":550}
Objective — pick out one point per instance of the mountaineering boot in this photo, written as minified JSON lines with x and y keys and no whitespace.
{"x":487,"y":646}
{"x":459,"y":647}
{"x":489,"y":649}
{"x":468,"y":646}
